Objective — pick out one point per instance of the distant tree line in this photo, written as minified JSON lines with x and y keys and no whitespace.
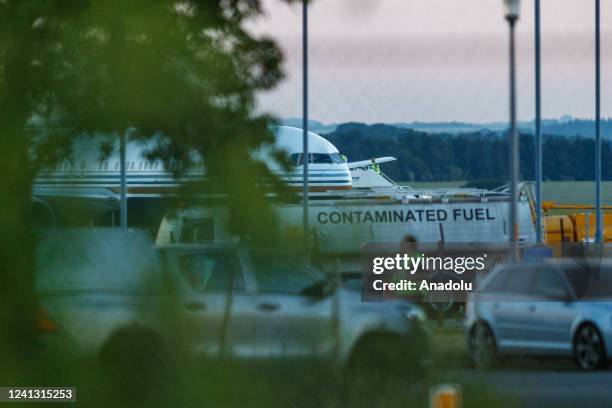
{"x":467,"y":156}
{"x":578,"y":127}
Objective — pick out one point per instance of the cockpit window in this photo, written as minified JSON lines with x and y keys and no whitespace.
{"x":296,"y":159}
{"x":318,"y":158}
{"x":337,"y":158}
{"x":321,"y":158}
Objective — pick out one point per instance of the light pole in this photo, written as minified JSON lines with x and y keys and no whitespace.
{"x":123,"y":190}
{"x":538,"y":122}
{"x":512,"y":12}
{"x":598,"y":215}
{"x":305,"y":124}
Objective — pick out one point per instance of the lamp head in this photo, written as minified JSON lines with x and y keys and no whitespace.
{"x":512,"y":9}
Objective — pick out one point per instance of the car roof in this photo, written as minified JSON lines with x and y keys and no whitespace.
{"x":570,"y":262}
{"x":215,"y":245}
{"x":563,"y":262}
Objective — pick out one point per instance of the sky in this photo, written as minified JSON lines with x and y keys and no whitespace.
{"x":434,"y":60}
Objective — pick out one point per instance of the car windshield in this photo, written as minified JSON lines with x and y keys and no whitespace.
{"x":353,"y":284}
{"x":108,"y":260}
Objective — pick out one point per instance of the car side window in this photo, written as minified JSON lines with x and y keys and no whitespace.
{"x":277,"y":273}
{"x":497,"y":282}
{"x":548,"y":283}
{"x":590,"y":280}
{"x":218,"y":271}
{"x":518,"y":280}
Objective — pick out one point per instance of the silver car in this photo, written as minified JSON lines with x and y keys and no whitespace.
{"x":556,"y":308}
{"x":217,"y":301}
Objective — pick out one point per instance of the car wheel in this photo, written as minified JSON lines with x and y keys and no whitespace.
{"x":589,"y":348}
{"x":482,"y":346}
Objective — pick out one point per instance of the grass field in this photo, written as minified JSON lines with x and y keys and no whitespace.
{"x":566,"y":192}
{"x":448,"y":345}
{"x":210,"y":383}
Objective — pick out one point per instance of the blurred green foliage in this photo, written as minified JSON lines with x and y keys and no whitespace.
{"x":181,"y":73}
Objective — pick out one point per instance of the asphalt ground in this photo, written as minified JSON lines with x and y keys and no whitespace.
{"x":524,"y":382}
{"x":537,"y":384}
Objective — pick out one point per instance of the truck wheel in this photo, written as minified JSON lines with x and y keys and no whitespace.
{"x":441,"y":303}
{"x":446,"y":309}
{"x":137,"y":360}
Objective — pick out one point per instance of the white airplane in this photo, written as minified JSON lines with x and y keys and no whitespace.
{"x":86,"y":176}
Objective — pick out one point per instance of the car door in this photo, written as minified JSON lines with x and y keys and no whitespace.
{"x":551,"y":313}
{"x":217,"y":305}
{"x":508,"y":306}
{"x":292,"y":326}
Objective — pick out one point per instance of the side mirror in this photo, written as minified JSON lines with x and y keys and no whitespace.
{"x":319,"y":290}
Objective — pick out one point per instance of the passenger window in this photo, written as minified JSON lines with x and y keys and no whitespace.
{"x":548,"y":283}
{"x":206,"y":272}
{"x":282,"y":274}
{"x":497,"y":282}
{"x":518,"y":280}
{"x":591,"y":280}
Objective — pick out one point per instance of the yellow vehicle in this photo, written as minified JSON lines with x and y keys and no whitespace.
{"x":574,"y":227}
